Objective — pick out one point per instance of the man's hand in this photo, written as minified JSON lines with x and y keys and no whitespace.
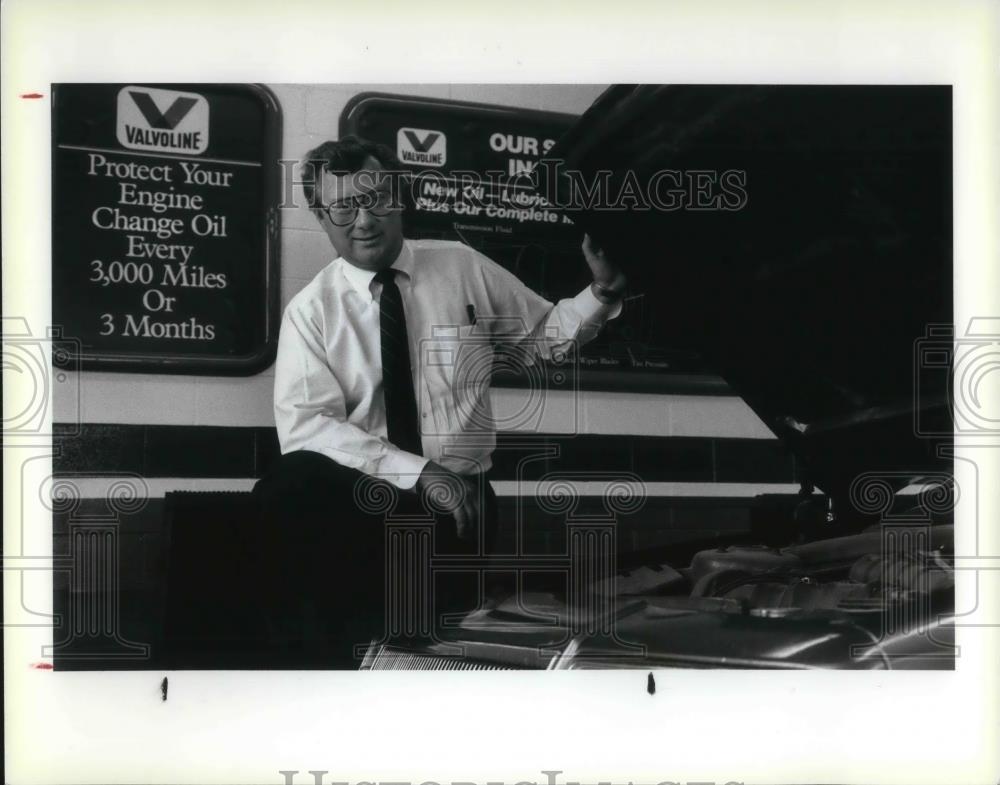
{"x":607,"y":276}
{"x":454,"y":494}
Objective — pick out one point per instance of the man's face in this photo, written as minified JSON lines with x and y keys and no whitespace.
{"x":372,"y":240}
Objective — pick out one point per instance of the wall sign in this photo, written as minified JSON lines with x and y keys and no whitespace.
{"x":164,"y":226}
{"x":470,"y":163}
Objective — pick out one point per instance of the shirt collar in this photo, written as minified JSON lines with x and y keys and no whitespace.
{"x":361,"y":280}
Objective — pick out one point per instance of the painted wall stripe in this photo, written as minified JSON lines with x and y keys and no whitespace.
{"x":96,"y":487}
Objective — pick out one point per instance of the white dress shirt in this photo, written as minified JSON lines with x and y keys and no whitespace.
{"x":328,"y":376}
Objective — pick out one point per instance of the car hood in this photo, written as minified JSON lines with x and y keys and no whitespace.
{"x":817,"y":297}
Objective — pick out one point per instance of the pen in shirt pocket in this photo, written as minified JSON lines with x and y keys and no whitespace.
{"x":471,"y":310}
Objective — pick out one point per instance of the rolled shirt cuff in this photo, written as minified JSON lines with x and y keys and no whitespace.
{"x":401,"y":468}
{"x":593,"y":310}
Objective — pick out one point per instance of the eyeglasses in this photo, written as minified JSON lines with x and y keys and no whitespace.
{"x":345,"y":212}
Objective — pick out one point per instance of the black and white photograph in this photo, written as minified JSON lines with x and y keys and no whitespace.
{"x":627,"y":387}
{"x":664,"y":381}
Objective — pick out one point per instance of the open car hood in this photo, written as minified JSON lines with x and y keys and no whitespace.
{"x":815,"y":298}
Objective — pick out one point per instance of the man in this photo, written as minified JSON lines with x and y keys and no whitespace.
{"x":382,"y":393}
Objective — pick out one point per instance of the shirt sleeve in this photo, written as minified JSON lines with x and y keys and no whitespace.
{"x":311,"y":414}
{"x":520,"y":313}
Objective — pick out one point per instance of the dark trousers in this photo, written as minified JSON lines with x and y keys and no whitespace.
{"x":325,"y":535}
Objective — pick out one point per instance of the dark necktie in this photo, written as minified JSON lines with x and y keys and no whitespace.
{"x":397,"y":376}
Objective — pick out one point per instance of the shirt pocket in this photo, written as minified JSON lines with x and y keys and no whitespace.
{"x":458,"y":366}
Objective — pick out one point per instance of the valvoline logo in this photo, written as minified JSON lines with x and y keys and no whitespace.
{"x":421,"y":147}
{"x":163,"y":120}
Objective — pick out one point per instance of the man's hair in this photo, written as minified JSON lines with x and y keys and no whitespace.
{"x":342,"y":157}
